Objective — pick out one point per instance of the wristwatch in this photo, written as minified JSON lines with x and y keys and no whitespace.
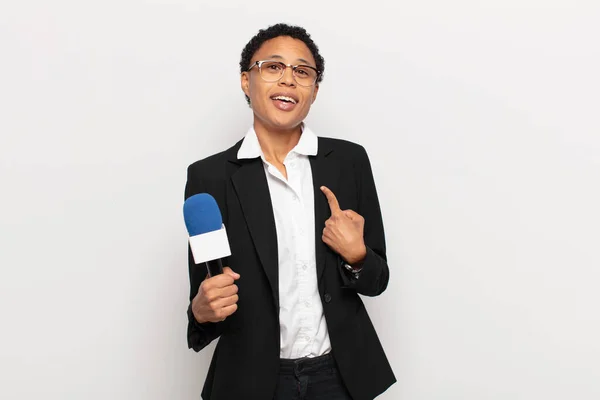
{"x":354,"y":271}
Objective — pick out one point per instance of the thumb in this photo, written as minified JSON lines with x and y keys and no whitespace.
{"x":229,"y":271}
{"x":331,"y":199}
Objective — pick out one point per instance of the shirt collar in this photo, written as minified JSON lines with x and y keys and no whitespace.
{"x":308,"y":144}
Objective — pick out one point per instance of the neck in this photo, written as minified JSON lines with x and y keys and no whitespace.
{"x":276,"y":143}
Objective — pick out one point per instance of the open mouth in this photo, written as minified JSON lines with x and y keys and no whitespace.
{"x":284,"y":102}
{"x":285,"y":99}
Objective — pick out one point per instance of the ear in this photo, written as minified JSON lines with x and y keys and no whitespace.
{"x":245,"y":83}
{"x":314,"y":97}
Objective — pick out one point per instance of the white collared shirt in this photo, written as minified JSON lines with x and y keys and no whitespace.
{"x":303,"y":330}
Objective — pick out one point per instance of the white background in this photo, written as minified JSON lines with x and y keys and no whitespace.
{"x":481,"y":119}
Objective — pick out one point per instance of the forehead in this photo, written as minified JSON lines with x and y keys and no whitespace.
{"x":289,"y":49}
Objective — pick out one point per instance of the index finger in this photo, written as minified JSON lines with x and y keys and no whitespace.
{"x":219,"y":281}
{"x":331,"y":199}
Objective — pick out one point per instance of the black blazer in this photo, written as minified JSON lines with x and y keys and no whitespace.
{"x":245,"y":363}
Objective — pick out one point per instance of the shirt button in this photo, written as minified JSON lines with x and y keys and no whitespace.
{"x":304,"y":267}
{"x":307,"y":303}
{"x":327,"y":297}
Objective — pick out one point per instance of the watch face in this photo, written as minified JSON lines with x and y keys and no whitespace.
{"x":355,"y":273}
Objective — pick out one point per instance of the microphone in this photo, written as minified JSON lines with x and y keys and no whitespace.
{"x":207,"y":234}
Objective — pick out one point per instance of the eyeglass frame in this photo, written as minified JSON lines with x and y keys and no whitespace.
{"x":259,"y":64}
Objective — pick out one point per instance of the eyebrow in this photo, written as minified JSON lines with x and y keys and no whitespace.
{"x":276,"y":56}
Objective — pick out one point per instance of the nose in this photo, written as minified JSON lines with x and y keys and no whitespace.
{"x":288,"y":77}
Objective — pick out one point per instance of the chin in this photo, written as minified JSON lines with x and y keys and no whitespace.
{"x":285,"y":123}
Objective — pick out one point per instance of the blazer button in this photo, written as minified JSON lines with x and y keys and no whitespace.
{"x":327,"y":297}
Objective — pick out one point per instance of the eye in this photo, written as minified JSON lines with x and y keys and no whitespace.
{"x":273,"y":66}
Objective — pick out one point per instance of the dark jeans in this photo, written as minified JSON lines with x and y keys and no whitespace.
{"x":310,"y":379}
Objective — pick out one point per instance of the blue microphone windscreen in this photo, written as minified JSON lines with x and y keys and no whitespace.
{"x":201,"y":214}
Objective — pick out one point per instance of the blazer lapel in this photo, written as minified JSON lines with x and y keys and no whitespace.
{"x":325,"y":172}
{"x":251,"y":186}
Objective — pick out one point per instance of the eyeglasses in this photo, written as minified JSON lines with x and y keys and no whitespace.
{"x":272,"y":71}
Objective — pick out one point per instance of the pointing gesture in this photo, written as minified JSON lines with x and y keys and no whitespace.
{"x":344,"y":231}
{"x":334,"y":205}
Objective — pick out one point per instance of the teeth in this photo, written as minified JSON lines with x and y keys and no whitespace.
{"x":284,"y":98}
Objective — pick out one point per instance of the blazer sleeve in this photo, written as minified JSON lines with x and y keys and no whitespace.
{"x":198,"y":335}
{"x":374,"y":276}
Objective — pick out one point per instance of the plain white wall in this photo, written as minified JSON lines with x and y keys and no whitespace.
{"x":481,"y":119}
